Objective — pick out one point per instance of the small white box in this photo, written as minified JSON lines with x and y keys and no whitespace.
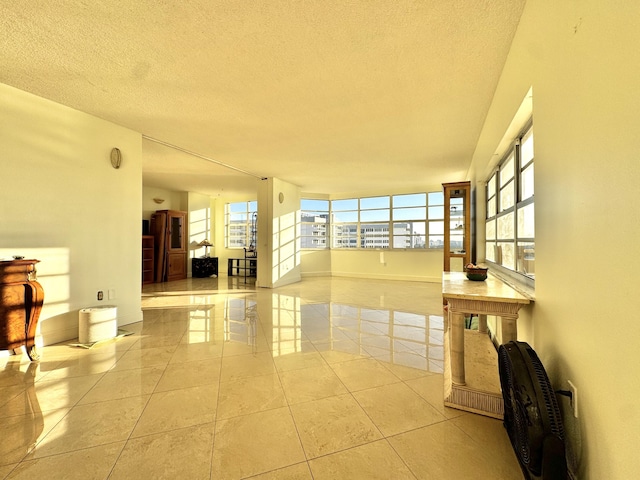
{"x":97,"y":323}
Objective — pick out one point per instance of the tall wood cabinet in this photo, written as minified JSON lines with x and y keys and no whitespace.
{"x":148,"y":263}
{"x":169,"y":229}
{"x":457,"y":223}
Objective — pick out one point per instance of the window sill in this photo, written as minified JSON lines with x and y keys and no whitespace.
{"x":517,"y":281}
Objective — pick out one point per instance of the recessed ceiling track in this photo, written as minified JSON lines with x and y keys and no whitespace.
{"x":183,"y":150}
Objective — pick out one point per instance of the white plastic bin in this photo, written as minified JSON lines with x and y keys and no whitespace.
{"x":97,"y":323}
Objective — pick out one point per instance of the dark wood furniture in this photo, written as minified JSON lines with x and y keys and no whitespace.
{"x":21,"y":298}
{"x":148,"y":262}
{"x":204,"y":267}
{"x":169,"y":229}
{"x":242,"y":267}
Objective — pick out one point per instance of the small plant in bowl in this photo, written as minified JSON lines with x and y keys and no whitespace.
{"x":476,"y":273}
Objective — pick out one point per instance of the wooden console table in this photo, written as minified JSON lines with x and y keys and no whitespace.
{"x":491,"y":297}
{"x":21,"y":298}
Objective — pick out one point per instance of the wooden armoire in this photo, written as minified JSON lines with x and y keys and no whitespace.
{"x":169,"y":228}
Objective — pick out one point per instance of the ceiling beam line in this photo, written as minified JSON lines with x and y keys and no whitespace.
{"x":194,"y":154}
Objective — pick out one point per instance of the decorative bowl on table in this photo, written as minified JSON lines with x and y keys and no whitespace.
{"x":475,"y":273}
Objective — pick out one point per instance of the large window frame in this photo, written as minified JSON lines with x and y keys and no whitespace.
{"x":238,"y":218}
{"x":510,"y":210}
{"x":411,"y":221}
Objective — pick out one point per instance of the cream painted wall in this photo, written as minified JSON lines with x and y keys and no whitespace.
{"x":62,"y":203}
{"x":424,"y":266}
{"x":279,"y":249}
{"x":582,"y":59}
{"x":172,"y":200}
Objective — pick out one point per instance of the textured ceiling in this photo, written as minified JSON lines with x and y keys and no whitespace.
{"x":331,"y":95}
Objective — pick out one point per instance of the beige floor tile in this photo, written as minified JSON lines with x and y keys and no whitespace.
{"x":21,"y":433}
{"x":92,"y":425}
{"x":184,"y":453}
{"x":363,"y":373}
{"x":311,"y":384}
{"x":445,"y":452}
{"x":178,"y":409}
{"x":147,"y":357}
{"x":431,"y":388}
{"x":341,"y":351}
{"x":155,"y":341}
{"x":249,"y":395}
{"x":123,"y":384}
{"x":299,"y":471}
{"x":191,"y":352}
{"x":50,"y":395}
{"x":239,"y":366}
{"x":6,"y":469}
{"x":395,"y":408}
{"x":406,"y":365}
{"x":298,"y":360}
{"x":86,"y":464}
{"x":190,"y":374}
{"x":333,"y":424}
{"x":245,"y":346}
{"x":491,"y":434}
{"x":376,"y":460}
{"x":255,"y":443}
{"x":86,"y":364}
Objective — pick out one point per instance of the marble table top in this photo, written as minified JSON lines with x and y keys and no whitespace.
{"x":456,"y":285}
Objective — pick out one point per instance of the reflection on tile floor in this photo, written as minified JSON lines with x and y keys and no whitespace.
{"x":330,"y":378}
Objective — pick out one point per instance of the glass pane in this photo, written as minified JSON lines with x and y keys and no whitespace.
{"x":491,"y":186}
{"x":238,"y":217}
{"x":237,"y":207}
{"x":417,"y":213}
{"x":348,"y":204}
{"x":413,"y":200}
{"x":344,"y":236}
{"x":526,"y":222}
{"x":506,"y":170}
{"x":506,"y":253}
{"x":436,"y":198}
{"x":526,"y":183}
{"x":490,"y":230}
{"x":345,"y":216}
{"x":374,"y":215}
{"x":507,"y":197}
{"x":490,"y":253}
{"x":526,"y":258}
{"x":526,"y":150}
{"x":456,"y":243}
{"x":374,"y":235}
{"x":505,"y":226}
{"x":436,"y":241}
{"x":253,"y":206}
{"x":436,"y":228}
{"x":176,"y":232}
{"x":374,"y":202}
{"x":409,"y":228}
{"x":436,"y":213}
{"x":491,"y":208}
{"x":314,"y":205}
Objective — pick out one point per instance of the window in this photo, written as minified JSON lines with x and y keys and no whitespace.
{"x":510,"y":226}
{"x":314,"y":221}
{"x":240,"y":224}
{"x":397,"y":221}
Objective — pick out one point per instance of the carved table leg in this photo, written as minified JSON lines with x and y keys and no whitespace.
{"x":34,"y":297}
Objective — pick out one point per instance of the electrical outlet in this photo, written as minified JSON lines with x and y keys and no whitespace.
{"x":100,"y":294}
{"x":112,"y":294}
{"x":574,"y":398}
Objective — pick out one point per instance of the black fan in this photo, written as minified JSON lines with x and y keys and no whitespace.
{"x":531,"y":414}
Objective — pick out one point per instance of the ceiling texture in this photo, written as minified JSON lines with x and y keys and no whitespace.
{"x":335,"y":96}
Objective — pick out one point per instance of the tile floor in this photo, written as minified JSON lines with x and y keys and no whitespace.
{"x":330,"y":378}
